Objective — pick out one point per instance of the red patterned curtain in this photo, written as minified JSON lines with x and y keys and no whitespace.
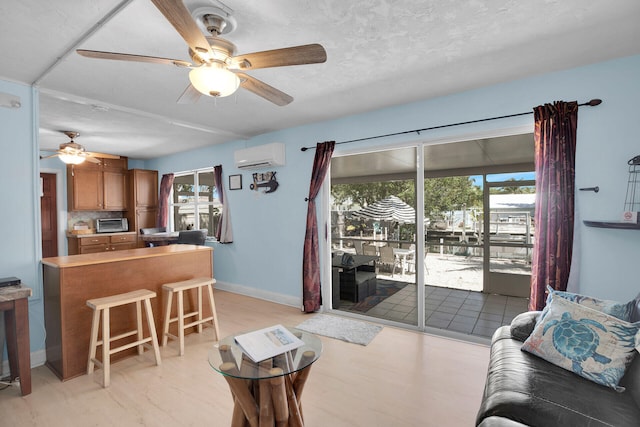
{"x":163,"y":200}
{"x":311,"y":297}
{"x":555,"y":148}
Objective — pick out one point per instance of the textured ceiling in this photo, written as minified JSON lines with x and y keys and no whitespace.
{"x":380,"y":53}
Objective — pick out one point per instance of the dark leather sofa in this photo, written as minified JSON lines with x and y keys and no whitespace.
{"x":524,"y":390}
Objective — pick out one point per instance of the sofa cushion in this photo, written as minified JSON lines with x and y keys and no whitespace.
{"x":532,"y":391}
{"x":588,"y":342}
{"x":617,"y":309}
{"x":523,"y":324}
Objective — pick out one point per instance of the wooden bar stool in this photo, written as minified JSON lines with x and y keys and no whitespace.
{"x":178,"y":288}
{"x":102,"y":306}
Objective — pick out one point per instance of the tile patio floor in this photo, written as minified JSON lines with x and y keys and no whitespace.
{"x":463,"y":311}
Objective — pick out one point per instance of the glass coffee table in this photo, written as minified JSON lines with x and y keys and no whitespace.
{"x":266,"y":393}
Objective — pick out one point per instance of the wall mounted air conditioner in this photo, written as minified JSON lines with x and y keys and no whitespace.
{"x":260,"y":157}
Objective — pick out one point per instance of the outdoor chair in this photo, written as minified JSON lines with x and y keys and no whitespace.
{"x":387,"y":258}
{"x":369,"y":250}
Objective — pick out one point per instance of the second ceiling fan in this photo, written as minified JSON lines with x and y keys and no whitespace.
{"x":216,"y":70}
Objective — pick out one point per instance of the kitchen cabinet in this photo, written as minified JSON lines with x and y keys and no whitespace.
{"x":97,"y":187}
{"x":142,"y":200}
{"x":95,"y":243}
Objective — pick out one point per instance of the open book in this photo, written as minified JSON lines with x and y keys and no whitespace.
{"x":268,"y":342}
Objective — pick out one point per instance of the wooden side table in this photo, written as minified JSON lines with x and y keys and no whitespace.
{"x":267,"y":393}
{"x":14,"y":303}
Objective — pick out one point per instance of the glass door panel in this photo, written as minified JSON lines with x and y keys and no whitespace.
{"x":510,"y":229}
{"x":373,"y":237}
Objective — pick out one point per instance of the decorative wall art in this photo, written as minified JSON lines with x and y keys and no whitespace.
{"x":235,"y":182}
{"x":265,"y":180}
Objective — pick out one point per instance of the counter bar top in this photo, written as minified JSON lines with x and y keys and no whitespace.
{"x":81,"y":236}
{"x":125,"y":255}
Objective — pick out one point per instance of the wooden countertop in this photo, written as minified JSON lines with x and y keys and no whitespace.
{"x":115,"y":256}
{"x":12,"y":293}
{"x":80,"y":236}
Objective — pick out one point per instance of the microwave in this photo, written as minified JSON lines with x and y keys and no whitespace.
{"x":112,"y":225}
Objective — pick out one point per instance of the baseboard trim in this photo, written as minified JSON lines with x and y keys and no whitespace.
{"x":260,"y":294}
{"x":38,"y":358}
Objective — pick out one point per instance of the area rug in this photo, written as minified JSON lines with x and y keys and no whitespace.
{"x":384,"y":289}
{"x":353,"y":331}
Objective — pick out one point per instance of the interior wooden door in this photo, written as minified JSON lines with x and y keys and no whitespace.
{"x":49,"y":215}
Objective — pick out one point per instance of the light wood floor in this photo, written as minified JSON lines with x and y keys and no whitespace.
{"x":402,"y":378}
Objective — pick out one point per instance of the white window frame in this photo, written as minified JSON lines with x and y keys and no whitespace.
{"x":196,"y":205}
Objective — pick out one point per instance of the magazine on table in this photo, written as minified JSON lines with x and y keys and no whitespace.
{"x":268,"y":342}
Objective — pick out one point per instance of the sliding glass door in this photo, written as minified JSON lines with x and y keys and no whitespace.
{"x":373,"y":236}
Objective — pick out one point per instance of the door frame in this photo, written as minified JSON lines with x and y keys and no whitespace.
{"x":61,"y":207}
{"x":324,"y":214}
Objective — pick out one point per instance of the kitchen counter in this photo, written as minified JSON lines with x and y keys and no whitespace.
{"x":129,"y":254}
{"x":79,"y":236}
{"x":69,"y":281}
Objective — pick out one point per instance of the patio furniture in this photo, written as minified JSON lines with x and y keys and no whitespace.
{"x":403,"y":256}
{"x":357,"y":280}
{"x":368,"y":249}
{"x":387,"y":258}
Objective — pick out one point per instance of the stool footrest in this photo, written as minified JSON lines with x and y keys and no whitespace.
{"x":130,"y":345}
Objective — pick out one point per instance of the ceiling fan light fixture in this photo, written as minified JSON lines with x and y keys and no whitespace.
{"x":214,"y":80}
{"x":71,"y":159}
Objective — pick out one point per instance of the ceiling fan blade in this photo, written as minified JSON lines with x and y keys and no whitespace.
{"x":179,"y":16}
{"x":297,"y":55}
{"x":189,"y":96}
{"x":264,"y":90}
{"x":89,"y":154}
{"x":129,"y":57}
{"x":91,"y":159}
{"x":49,"y":156}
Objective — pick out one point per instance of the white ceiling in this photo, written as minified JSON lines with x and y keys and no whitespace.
{"x":380,"y":53}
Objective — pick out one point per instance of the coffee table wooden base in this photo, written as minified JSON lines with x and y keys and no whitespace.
{"x":266,"y":402}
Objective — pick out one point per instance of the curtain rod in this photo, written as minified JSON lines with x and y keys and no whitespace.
{"x":591,"y":103}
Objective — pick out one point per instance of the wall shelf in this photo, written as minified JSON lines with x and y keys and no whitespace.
{"x":612,"y":224}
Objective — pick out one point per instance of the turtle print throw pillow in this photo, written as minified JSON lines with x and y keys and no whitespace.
{"x":590,"y":343}
{"x":620,"y":310}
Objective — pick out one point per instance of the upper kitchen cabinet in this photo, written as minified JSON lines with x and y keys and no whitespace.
{"x":98,"y":187}
{"x":143,"y":199}
{"x":143,"y":188}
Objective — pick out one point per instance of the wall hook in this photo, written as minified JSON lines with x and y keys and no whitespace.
{"x":594,"y":189}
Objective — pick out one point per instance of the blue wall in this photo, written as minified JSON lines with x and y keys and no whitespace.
{"x":19,"y":193}
{"x":266,"y":256}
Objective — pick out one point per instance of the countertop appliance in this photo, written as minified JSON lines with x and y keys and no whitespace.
{"x":112,"y":225}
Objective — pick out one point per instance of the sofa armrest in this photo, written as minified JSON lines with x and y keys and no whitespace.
{"x":522,"y":325}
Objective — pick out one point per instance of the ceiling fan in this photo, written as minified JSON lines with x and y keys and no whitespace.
{"x":216,"y":70}
{"x":73,"y":153}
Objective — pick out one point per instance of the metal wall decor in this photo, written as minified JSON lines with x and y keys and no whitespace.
{"x":632,"y":200}
{"x":265,"y":180}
